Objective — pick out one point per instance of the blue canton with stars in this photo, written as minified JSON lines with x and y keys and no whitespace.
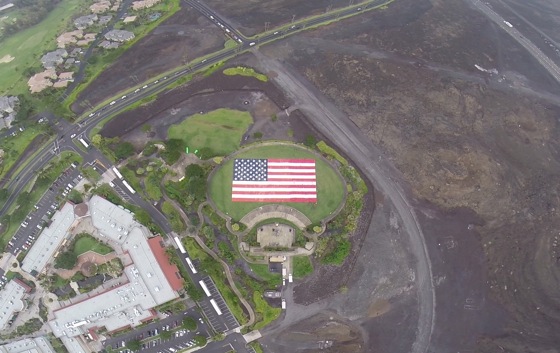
{"x":250,"y":170}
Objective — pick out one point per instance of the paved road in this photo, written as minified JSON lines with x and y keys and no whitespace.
{"x":65,"y":142}
{"x":100,"y":37}
{"x":544,"y":60}
{"x":336,"y":126}
{"x":217,"y":19}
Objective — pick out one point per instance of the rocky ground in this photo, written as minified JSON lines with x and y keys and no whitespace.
{"x":183,"y":37}
{"x":252,"y":17}
{"x":481,"y":158}
{"x":478,"y":154}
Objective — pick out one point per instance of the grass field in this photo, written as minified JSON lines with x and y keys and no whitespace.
{"x":220,"y":130}
{"x":330,"y":188}
{"x":272,"y":279}
{"x":266,"y":312}
{"x":302,"y":266}
{"x":89,"y":243}
{"x":245,"y":71}
{"x":14,"y":146}
{"x":29,"y":45}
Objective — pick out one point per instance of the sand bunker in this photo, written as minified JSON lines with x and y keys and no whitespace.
{"x":6,"y":59}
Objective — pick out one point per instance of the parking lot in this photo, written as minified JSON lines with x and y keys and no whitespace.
{"x":34,"y":223}
{"x":150,"y":335}
{"x":220,"y":323}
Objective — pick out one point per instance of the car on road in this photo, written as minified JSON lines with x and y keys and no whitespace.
{"x":92,"y":114}
{"x":145,"y":86}
{"x":72,"y":136}
{"x":113,"y":102}
{"x":276,"y":32}
{"x":123,"y":97}
{"x":251,"y":44}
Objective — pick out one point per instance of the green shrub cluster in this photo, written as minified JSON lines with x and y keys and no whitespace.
{"x":331,"y":152}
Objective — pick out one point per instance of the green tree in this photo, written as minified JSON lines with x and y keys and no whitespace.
{"x":133,"y":345}
{"x":258,"y":135}
{"x":310,"y":141}
{"x":195,"y":293}
{"x":206,"y":153}
{"x":146,"y":128}
{"x":170,"y":156}
{"x":200,"y":340}
{"x":75,"y":197}
{"x":194,"y":171}
{"x":124,"y":150}
{"x":97,"y":140}
{"x":66,"y":260}
{"x":149,"y":149}
{"x":197,"y":188}
{"x":189,"y":323}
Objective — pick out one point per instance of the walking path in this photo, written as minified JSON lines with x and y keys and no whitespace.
{"x":209,"y":251}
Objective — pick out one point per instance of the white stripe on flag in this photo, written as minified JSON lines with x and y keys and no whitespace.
{"x":290,"y":164}
{"x":269,"y":189}
{"x":272,"y":196}
{"x":283,"y":182}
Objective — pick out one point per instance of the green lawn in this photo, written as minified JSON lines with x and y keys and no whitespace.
{"x":262,"y":271}
{"x":330,"y":188}
{"x":302,"y":266}
{"x":220,"y":130}
{"x":14,"y":146}
{"x":265,"y":312}
{"x":88,"y":243}
{"x":29,"y":45}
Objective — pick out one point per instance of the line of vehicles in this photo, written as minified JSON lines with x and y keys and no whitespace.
{"x":125,"y":183}
{"x":201,"y":282}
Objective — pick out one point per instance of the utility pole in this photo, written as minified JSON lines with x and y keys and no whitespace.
{"x":266,"y":24}
{"x":293,"y":18}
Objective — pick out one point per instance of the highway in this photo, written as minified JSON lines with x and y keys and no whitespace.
{"x":542,"y":58}
{"x":83,"y":128}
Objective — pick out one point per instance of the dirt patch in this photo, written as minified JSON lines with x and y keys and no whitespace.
{"x":183,"y":37}
{"x":88,"y":268}
{"x":251,"y":17}
{"x":483,"y":153}
{"x":86,"y":262}
{"x":379,"y":307}
{"x":6,"y":59}
{"x":263,"y":100}
{"x":325,"y":332}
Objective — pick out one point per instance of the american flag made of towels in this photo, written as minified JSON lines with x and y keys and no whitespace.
{"x":274,"y":180}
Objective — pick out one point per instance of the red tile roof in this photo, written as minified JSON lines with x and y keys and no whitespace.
{"x":170,"y":270}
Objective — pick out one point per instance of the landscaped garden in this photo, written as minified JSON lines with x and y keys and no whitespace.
{"x":330,"y":187}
